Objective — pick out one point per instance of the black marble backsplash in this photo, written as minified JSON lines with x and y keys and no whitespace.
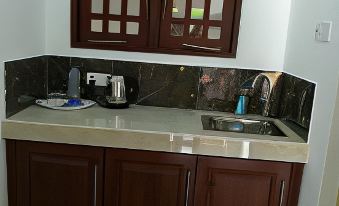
{"x":25,"y":80}
{"x":214,"y":89}
{"x":296,"y":100}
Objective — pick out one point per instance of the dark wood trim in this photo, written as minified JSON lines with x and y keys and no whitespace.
{"x":123,"y":16}
{"x":105,"y":15}
{"x":89,"y":45}
{"x":206,"y":18}
{"x":11,"y":172}
{"x":154,"y":21}
{"x":74,"y":21}
{"x":188,"y":14}
{"x":195,"y":21}
{"x":236,"y":27}
{"x":295,"y":183}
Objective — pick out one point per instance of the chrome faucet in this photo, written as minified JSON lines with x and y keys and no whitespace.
{"x":269,"y":81}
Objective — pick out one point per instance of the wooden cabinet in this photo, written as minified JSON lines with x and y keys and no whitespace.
{"x":54,"y":175}
{"x":193,"y":27}
{"x":149,"y":178}
{"x":201,"y":26}
{"x":242,"y":182}
{"x":118,"y":23}
{"x":41,"y":174}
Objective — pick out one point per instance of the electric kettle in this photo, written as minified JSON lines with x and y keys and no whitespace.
{"x":117,"y":95}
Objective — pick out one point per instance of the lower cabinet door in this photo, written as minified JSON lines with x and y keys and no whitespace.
{"x":236,"y":182}
{"x":58,"y":175}
{"x":140,"y":178}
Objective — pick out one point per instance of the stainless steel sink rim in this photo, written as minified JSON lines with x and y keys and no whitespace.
{"x":241,"y":125}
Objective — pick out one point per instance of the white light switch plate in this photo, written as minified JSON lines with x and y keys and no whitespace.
{"x":323,"y":31}
{"x":100,"y":79}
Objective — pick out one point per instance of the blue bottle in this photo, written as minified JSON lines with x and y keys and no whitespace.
{"x":242,"y":105}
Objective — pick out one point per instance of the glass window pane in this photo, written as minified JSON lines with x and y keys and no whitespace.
{"x":198,"y":9}
{"x":177,"y":30}
{"x":178,"y":10}
{"x":132,"y":28}
{"x":114,"y":27}
{"x":196,"y":31}
{"x":115,"y":7}
{"x":97,"y":6}
{"x":214,"y":32}
{"x":133,"y":8}
{"x":96,"y":25}
{"x":216,"y":9}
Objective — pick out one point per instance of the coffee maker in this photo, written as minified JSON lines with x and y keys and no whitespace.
{"x":119,"y":93}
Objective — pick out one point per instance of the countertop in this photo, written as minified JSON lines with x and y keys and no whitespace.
{"x":152,"y":128}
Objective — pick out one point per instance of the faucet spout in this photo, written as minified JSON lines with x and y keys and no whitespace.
{"x":268,"y":82}
{"x":272,"y":77}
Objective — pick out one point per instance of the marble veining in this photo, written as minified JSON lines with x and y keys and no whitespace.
{"x":222,"y":88}
{"x":297,"y":100}
{"x":162,"y":85}
{"x":58,"y":69}
{"x":173,"y":86}
{"x":25,"y":80}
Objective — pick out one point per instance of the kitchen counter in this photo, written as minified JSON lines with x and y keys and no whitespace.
{"x":151,"y":128}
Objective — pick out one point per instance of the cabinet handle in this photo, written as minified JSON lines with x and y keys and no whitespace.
{"x":188,"y":181}
{"x":164,"y":10}
{"x":201,"y":47}
{"x":282,"y":192}
{"x":95,"y":185}
{"x":104,"y":41}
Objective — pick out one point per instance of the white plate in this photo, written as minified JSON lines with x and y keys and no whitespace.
{"x":85,"y":104}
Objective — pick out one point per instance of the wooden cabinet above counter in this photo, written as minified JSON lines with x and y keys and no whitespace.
{"x":199,"y":27}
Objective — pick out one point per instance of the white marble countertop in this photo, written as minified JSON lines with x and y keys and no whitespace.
{"x":152,"y":128}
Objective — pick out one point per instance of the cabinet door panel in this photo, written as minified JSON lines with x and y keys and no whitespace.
{"x":148,"y":179}
{"x":201,"y":25}
{"x":54,"y":175}
{"x":235,"y":182}
{"x":121,"y":22}
{"x":254,"y":188}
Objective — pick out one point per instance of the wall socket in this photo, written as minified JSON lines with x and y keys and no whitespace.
{"x":323,"y":31}
{"x":100,"y":79}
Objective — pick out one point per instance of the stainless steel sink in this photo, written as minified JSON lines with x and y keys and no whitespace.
{"x":250,"y":126}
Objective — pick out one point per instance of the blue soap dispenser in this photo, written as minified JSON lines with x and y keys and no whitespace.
{"x":242,"y":105}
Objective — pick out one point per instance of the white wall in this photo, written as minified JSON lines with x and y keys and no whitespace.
{"x":331,"y":175}
{"x":21,"y":35}
{"x":318,"y":62}
{"x":263,"y":36}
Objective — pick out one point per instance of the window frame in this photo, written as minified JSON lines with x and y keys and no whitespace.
{"x":153,"y":37}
